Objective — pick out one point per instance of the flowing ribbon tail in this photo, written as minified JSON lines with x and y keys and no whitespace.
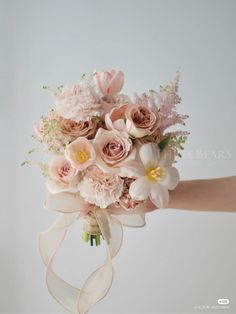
{"x":99,"y":282}
{"x":49,"y":243}
{"x":132,"y":220}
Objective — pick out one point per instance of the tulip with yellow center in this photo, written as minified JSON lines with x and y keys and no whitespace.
{"x":80,"y":153}
{"x":155,"y":175}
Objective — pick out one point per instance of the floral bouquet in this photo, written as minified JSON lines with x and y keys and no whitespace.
{"x":111,"y":160}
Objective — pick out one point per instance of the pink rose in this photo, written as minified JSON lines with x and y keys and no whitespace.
{"x":141,"y":120}
{"x":113,"y":148}
{"x":156,"y":137}
{"x":61,"y":176}
{"x":110,"y":82}
{"x":99,"y":188}
{"x":78,"y":102}
{"x":80,"y":153}
{"x":74,"y":129}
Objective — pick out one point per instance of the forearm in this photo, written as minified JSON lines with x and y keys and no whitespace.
{"x":209,"y":195}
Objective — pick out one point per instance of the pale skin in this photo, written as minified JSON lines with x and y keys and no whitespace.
{"x":205,"y":195}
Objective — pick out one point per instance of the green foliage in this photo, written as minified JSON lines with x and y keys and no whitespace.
{"x":177,"y":142}
{"x":163,"y":143}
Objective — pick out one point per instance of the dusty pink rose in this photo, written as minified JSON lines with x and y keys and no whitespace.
{"x":74,"y":129}
{"x":113,"y":148}
{"x":141,"y":120}
{"x":110,"y":82}
{"x":61,"y":176}
{"x":99,"y":188}
{"x":80,"y":153}
{"x":115,"y":120}
{"x":78,"y":102}
{"x":155,"y":137}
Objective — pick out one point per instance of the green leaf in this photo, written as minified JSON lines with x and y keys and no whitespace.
{"x":96,"y":118}
{"x":32,"y":151}
{"x":26,"y":162}
{"x":164,"y":143}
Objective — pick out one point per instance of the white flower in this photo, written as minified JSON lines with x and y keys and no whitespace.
{"x":155,"y":176}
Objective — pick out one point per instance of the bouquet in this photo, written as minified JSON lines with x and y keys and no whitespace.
{"x":111,"y":160}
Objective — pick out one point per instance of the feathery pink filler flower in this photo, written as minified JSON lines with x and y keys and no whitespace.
{"x":155,"y":175}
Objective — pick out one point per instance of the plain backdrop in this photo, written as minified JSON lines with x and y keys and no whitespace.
{"x":181,"y":261}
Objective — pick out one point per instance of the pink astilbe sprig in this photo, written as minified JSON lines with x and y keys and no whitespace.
{"x":166,"y":100}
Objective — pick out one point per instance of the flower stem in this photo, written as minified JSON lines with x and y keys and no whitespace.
{"x":93,"y":239}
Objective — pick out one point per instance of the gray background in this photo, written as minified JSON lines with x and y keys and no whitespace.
{"x":181,"y":259}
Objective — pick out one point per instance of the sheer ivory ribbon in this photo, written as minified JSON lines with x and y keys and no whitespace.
{"x":97,"y":285}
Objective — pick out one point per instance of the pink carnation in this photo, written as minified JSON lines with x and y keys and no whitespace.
{"x":99,"y":188}
{"x":77,"y":103}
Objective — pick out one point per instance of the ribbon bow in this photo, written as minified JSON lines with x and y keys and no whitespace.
{"x":97,"y":285}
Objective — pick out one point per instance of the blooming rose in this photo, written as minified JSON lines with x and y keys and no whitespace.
{"x":80,"y":153}
{"x":61,"y":176}
{"x":113,"y":149}
{"x":74,"y":129}
{"x":141,"y":120}
{"x":110,"y":82}
{"x":99,"y":188}
{"x":77,"y":103}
